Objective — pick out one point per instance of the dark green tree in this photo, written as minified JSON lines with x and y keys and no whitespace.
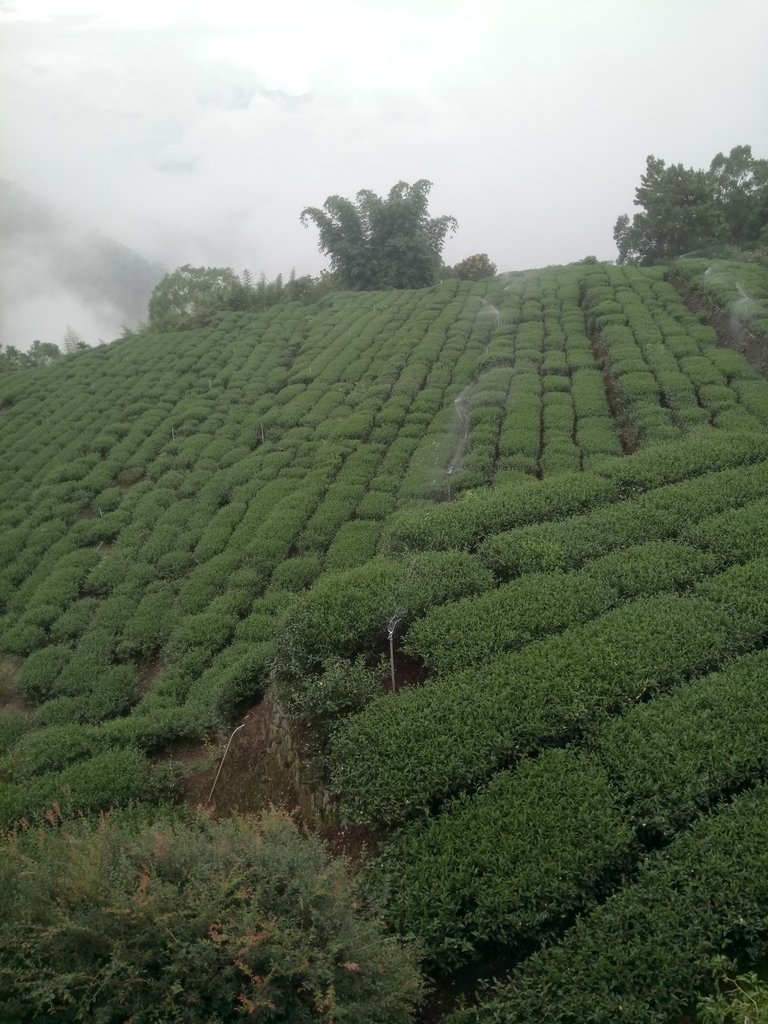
{"x":475,"y":268}
{"x":685,"y":210}
{"x":679,"y":215}
{"x":377,"y":242}
{"x":740,"y":188}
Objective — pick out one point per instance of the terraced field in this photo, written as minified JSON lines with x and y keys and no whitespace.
{"x":549,"y":490}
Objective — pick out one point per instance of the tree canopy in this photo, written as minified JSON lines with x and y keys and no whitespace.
{"x":190,"y":294}
{"x":190,"y":291}
{"x":377,"y":242}
{"x":684,"y":210}
{"x":475,"y":268}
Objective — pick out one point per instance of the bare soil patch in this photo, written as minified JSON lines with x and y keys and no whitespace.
{"x":10,"y":698}
{"x":129,"y":477}
{"x":148,"y":672}
{"x":251,"y":779}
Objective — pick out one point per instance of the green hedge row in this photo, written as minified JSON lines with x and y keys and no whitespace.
{"x":405,"y":751}
{"x":509,"y":863}
{"x":473,"y":630}
{"x":644,"y":954}
{"x":657,"y":514}
{"x":464,"y":523}
{"x":671,"y":757}
{"x":735,"y":534}
{"x":346,"y":613}
{"x":110,"y":779}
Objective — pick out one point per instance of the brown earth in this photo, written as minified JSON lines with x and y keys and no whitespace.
{"x":10,"y":698}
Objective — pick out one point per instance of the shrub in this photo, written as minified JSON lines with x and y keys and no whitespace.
{"x":499,"y":866}
{"x":477,"y":628}
{"x":296,"y":573}
{"x":13,"y":726}
{"x":47,"y":750}
{"x":41,"y":671}
{"x":463,"y":523}
{"x":216,"y":919}
{"x":110,"y":779}
{"x":342,"y":689}
{"x":238,"y":675}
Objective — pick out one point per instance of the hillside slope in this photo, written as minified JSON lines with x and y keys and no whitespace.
{"x":550,"y":490}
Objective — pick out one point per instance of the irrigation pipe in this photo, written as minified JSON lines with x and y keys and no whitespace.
{"x":226,"y":751}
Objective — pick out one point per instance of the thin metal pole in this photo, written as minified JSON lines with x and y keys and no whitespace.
{"x":391,"y":627}
{"x":226,"y":751}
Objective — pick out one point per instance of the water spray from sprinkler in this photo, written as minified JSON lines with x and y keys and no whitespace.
{"x":392,"y":625}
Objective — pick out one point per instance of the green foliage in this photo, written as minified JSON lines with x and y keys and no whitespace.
{"x":684,"y":210}
{"x":174,"y":516}
{"x":191,"y":292}
{"x":659,"y":513}
{"x":215,"y":918}
{"x":112,"y":778}
{"x":741,"y":290}
{"x":41,"y":353}
{"x":642,"y":955}
{"x":343,"y":688}
{"x":738,"y":998}
{"x":13,"y":725}
{"x":674,"y":756}
{"x":42,"y":670}
{"x":495,"y":866}
{"x":346,"y":613}
{"x":237,"y":676}
{"x":407,"y":750}
{"x":740,"y":186}
{"x":475,"y":268}
{"x":472,"y":630}
{"x":463,"y":523}
{"x":47,"y":750}
{"x":382,"y":243}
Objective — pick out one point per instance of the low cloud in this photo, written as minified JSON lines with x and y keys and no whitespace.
{"x":199,"y":138}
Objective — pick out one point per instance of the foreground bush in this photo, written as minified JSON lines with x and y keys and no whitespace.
{"x":186,"y":919}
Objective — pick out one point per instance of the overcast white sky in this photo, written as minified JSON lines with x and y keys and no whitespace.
{"x":196,"y":132}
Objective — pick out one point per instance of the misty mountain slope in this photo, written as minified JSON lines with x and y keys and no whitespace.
{"x":54,"y":273}
{"x":549,"y":487}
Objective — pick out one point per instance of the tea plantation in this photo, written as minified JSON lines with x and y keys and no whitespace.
{"x":550,"y":489}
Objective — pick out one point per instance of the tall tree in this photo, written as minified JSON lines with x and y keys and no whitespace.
{"x":740,"y":187}
{"x":684,"y":210}
{"x":73,"y":340}
{"x":679,"y":215}
{"x":377,"y":242}
{"x":192,"y":291}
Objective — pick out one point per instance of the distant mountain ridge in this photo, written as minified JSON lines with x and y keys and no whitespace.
{"x":53,"y":273}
